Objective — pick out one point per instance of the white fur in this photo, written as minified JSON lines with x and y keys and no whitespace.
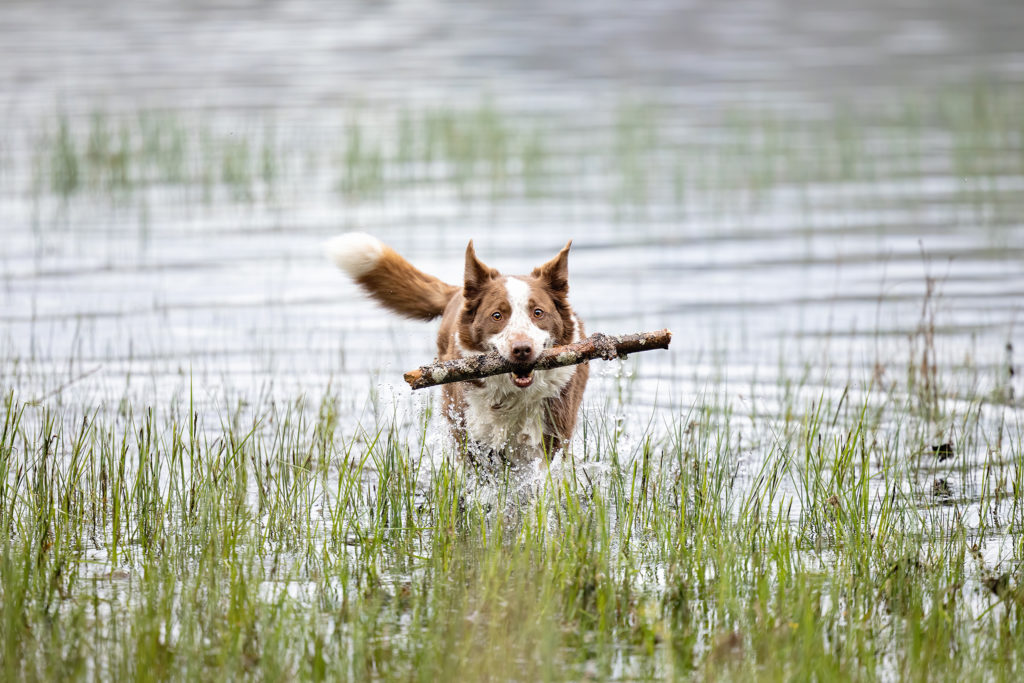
{"x":499,"y":414}
{"x":520,"y":323}
{"x":355,"y":252}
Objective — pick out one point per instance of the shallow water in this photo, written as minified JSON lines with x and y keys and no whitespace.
{"x":145,"y":290}
{"x":817,"y":198}
{"x":775,"y":183}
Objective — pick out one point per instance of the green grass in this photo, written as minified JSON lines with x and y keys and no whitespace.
{"x":819,"y":540}
{"x":637,"y":161}
{"x":282,"y":544}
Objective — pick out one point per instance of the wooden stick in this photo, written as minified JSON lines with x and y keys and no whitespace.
{"x":488,"y":364}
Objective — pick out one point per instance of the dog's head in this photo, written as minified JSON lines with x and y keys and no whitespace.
{"x":518,"y":315}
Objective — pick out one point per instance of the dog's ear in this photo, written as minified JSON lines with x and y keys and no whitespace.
{"x":555,"y":273}
{"x":477,"y":273}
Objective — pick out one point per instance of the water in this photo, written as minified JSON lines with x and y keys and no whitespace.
{"x":776,"y":183}
{"x":305,"y":54}
{"x":187,"y":284}
{"x":819,"y":199}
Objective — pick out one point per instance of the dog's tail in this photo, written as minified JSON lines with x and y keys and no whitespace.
{"x":388,"y":278}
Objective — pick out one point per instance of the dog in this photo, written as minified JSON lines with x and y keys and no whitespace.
{"x":510,"y":418}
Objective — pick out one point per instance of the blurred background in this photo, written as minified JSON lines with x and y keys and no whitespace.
{"x":796,"y":188}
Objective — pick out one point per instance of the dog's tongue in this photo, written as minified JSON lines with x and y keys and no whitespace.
{"x":521,"y":381}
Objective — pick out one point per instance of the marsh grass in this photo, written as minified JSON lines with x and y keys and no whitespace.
{"x":642,"y":167}
{"x":866,"y":528}
{"x":281,"y":544}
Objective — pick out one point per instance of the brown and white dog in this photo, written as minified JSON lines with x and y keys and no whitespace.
{"x":515,"y":418}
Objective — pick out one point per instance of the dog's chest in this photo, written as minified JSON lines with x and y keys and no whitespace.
{"x":500,"y":415}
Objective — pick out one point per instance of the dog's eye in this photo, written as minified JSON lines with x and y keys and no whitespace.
{"x":537,"y":313}
{"x":496,"y":315}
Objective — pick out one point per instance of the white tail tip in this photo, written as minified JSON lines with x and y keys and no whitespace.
{"x":355,"y":252}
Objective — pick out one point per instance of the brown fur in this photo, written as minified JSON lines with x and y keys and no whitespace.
{"x":564,"y":410}
{"x":401,"y":287}
{"x":468,"y":313}
{"x":467,"y":320}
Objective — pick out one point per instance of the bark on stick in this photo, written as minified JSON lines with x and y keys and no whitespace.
{"x":598,"y":345}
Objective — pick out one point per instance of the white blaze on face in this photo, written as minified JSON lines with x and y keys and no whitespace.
{"x":520,"y":325}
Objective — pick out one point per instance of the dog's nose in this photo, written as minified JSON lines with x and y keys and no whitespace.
{"x":522,"y":351}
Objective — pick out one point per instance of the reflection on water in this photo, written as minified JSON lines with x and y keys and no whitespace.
{"x":145,"y":252}
{"x":822,"y":201}
{"x":171,"y":172}
{"x":314,"y":55}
